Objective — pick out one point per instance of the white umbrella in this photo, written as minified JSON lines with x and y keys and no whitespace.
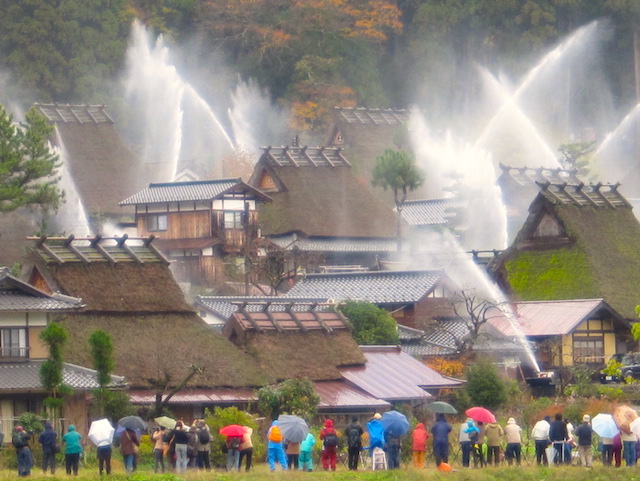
{"x":604,"y":425}
{"x":101,"y":432}
{"x":634,"y":426}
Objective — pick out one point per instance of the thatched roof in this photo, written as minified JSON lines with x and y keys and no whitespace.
{"x":313,"y":354}
{"x":594,"y":254}
{"x":103,"y":168}
{"x":150,"y":346}
{"x":117,"y":283}
{"x":319,"y":200}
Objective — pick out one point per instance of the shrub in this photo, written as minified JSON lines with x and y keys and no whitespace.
{"x":484,"y":386}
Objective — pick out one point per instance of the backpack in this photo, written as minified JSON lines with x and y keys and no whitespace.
{"x":275,"y":436}
{"x":331,"y":440}
{"x":353,"y":438}
{"x":473,"y":436}
{"x":17,"y":440}
{"x":234,"y":443}
{"x":204,"y":437}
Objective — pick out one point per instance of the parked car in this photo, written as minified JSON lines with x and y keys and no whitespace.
{"x":630,"y":368}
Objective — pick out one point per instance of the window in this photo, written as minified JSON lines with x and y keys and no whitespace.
{"x":588,"y":349}
{"x":157,"y":223}
{"x":233,"y":220}
{"x":13,"y":342}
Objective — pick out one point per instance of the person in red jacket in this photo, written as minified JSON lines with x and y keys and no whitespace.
{"x":329,"y":437}
{"x":419,"y":446}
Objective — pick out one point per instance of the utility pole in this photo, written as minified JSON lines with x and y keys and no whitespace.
{"x":247,"y":247}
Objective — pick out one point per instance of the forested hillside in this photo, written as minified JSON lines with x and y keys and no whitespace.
{"x":309,"y":54}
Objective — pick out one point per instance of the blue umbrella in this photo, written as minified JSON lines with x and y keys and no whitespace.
{"x":395,"y":423}
{"x":604,"y":425}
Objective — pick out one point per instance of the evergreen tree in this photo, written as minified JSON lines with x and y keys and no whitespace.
{"x":371,"y":324}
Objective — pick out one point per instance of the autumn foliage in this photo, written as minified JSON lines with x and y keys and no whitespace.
{"x":447,"y":367}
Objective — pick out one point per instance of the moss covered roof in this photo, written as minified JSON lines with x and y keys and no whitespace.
{"x":598,"y":257}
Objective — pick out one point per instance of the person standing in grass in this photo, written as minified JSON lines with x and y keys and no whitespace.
{"x":540,"y":436}
{"x":72,"y":450}
{"x":129,"y":443}
{"x":158,"y":450}
{"x":584,"y":434}
{"x":513,"y":436}
{"x":494,"y":433}
{"x":20,"y":441}
{"x":465,"y":442}
{"x":354,"y":442}
{"x":329,"y":438}
{"x":305,"y":461}
{"x":440,"y":432}
{"x":629,"y":444}
{"x":49,"y":441}
{"x":419,"y":445}
{"x":275,"y":448}
{"x":246,"y":448}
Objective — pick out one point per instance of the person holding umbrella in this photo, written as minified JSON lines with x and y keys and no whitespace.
{"x":440,"y":432}
{"x":376,"y":433}
{"x":129,"y":443}
{"x":246,"y":448}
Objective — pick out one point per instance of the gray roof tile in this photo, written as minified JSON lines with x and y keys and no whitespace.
{"x":11,"y":300}
{"x":18,"y":376}
{"x":430,"y":212}
{"x":224,"y":306}
{"x":181,"y":191}
{"x":326,"y":244}
{"x":381,"y":287}
{"x":365,"y":116}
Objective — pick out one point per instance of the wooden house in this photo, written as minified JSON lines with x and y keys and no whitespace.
{"x":578,"y":242}
{"x":317,"y":199}
{"x":25,"y":311}
{"x":128,"y":291}
{"x":414,"y":298}
{"x":199,"y":223}
{"x":568,"y":332}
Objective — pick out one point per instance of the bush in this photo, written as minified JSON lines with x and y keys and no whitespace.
{"x":484,"y":386}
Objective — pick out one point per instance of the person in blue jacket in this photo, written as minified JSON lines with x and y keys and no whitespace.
{"x":275,"y":448}
{"x":72,"y":449}
{"x":376,"y":433}
{"x":440,"y":432}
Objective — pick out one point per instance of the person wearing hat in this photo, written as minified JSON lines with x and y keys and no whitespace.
{"x":513,"y":437}
{"x":376,"y":433}
{"x":20,"y":441}
{"x":584,"y":433}
{"x":329,"y":438}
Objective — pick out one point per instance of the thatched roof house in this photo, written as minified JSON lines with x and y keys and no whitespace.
{"x":578,"y":242}
{"x":314,"y":191}
{"x":313,"y":343}
{"x":103,"y":168}
{"x":129,"y":292}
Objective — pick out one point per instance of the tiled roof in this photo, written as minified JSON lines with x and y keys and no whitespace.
{"x":20,"y":376}
{"x":304,"y":157}
{"x":526,"y":176}
{"x":61,"y":250}
{"x":328,"y":244}
{"x":425,"y":349}
{"x":548,"y":318}
{"x":380,"y":287}
{"x":200,"y":190}
{"x":361,"y":115}
{"x":311,"y":318}
{"x":594,"y":195}
{"x":224,"y":306}
{"x":77,"y":114}
{"x":16,"y":295}
{"x":430,"y":212}
{"x":391,"y":374}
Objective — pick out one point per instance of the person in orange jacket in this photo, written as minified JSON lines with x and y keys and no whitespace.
{"x":419,"y":446}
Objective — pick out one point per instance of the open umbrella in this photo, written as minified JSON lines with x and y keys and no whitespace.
{"x":293,"y":428}
{"x":395,"y":423}
{"x":441,"y":407}
{"x":233,"y":431}
{"x":481,"y":414}
{"x":101,"y":432}
{"x":166,"y":422}
{"x":604,"y":425}
{"x":623,"y":415}
{"x":133,"y":422}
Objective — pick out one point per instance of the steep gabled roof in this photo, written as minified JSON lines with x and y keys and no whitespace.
{"x":198,"y":190}
{"x":594,"y":254}
{"x":430,"y":212}
{"x":304,"y":157}
{"x":318,"y":198}
{"x":16,"y":295}
{"x":379,"y":287}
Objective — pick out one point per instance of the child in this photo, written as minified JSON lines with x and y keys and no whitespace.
{"x":305,"y":462}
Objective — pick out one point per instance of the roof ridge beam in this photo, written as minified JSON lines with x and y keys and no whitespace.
{"x":294,"y":316}
{"x":247,"y":315}
{"x":69,"y":245}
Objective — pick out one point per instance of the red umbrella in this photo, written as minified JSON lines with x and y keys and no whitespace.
{"x":482,"y":415}
{"x":233,"y":430}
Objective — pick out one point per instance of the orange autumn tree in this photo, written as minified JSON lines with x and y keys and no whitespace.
{"x":316,"y":54}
